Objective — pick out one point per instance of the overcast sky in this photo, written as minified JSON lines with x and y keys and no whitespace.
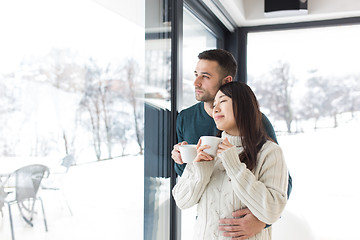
{"x":36,"y":26}
{"x":334,"y":50}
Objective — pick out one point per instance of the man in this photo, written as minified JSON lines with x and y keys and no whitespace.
{"x":214,"y":68}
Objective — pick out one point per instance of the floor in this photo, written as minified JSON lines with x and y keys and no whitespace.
{"x":103,"y":206}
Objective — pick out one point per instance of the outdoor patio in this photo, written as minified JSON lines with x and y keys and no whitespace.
{"x":103,"y":205}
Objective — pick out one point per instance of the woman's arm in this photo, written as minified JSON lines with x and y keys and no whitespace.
{"x":191,"y":185}
{"x":266,"y":196}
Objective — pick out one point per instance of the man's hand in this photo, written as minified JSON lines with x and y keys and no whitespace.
{"x":175,"y":153}
{"x":241,"y":228}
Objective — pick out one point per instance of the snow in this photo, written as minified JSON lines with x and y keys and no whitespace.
{"x":324,"y":201}
{"x":107,"y":197}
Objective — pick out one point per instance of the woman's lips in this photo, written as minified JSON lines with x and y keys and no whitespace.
{"x":217,"y":117}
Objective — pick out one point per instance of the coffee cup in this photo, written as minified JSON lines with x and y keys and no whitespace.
{"x":213,"y":142}
{"x":188,"y":152}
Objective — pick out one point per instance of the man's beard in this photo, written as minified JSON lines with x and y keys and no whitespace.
{"x":205,"y":97}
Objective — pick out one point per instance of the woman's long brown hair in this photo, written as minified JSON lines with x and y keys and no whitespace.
{"x":248,"y":120}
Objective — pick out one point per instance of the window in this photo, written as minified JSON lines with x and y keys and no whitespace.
{"x":71,"y":83}
{"x":308,"y":84}
{"x":196,"y":38}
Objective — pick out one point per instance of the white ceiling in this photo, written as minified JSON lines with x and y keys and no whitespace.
{"x":246,"y":12}
{"x":251,"y":12}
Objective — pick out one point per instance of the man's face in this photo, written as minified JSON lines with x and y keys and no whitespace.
{"x":207,"y":80}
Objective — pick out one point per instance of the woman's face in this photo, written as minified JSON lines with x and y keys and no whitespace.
{"x":223,"y":114}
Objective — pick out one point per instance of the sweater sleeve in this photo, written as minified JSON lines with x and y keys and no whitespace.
{"x":191,"y":185}
{"x":179,"y":168}
{"x":266,"y":196}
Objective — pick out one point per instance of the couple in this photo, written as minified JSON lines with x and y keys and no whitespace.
{"x":249,"y":172}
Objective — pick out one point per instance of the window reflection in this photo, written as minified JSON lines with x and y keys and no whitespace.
{"x":157,"y":124}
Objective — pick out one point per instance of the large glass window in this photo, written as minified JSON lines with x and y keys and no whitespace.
{"x":196,"y":38}
{"x":308,"y":84}
{"x":71,"y":83}
{"x":157,"y":182}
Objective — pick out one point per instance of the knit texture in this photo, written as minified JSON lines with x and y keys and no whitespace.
{"x":225,"y":185}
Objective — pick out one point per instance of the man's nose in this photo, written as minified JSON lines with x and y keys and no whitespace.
{"x":197,"y":82}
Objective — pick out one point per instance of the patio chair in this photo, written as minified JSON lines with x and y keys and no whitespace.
{"x":27,"y":183}
{"x":57,"y":176}
{"x":3,"y":195}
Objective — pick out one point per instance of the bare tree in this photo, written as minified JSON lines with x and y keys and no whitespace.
{"x":131,"y":74}
{"x":91,"y":103}
{"x":99,"y":101}
{"x":121,"y":129}
{"x":8,"y":106}
{"x":274,"y":93}
{"x":61,"y":68}
{"x":314,"y":100}
{"x":352,"y":85}
{"x":328,"y":96}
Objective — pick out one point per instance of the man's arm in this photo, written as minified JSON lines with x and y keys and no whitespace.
{"x":244,"y":225}
{"x":175,"y":153}
{"x":271,"y":133}
{"x":269,"y":129}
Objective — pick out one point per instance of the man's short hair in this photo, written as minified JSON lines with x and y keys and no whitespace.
{"x":224,"y":58}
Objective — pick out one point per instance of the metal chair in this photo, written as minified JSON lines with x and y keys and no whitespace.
{"x":55,"y":181}
{"x":27,"y":183}
{"x":3,"y":195}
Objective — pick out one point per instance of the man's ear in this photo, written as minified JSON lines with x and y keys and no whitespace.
{"x":227,"y":79}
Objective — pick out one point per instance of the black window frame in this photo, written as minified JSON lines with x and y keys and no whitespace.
{"x":242,"y":33}
{"x":211,"y":22}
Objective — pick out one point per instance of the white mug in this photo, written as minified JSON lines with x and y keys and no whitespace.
{"x":213,"y":142}
{"x":188,"y":152}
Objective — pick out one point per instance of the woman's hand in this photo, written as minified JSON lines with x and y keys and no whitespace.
{"x":201,"y":155}
{"x":224,"y":145}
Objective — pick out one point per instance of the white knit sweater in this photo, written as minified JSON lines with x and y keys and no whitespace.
{"x":225,"y":185}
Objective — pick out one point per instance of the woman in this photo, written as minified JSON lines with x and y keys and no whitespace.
{"x":249,"y":170}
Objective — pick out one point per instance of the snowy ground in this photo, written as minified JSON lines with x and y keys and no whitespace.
{"x":107,"y":197}
{"x":324,"y":166}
